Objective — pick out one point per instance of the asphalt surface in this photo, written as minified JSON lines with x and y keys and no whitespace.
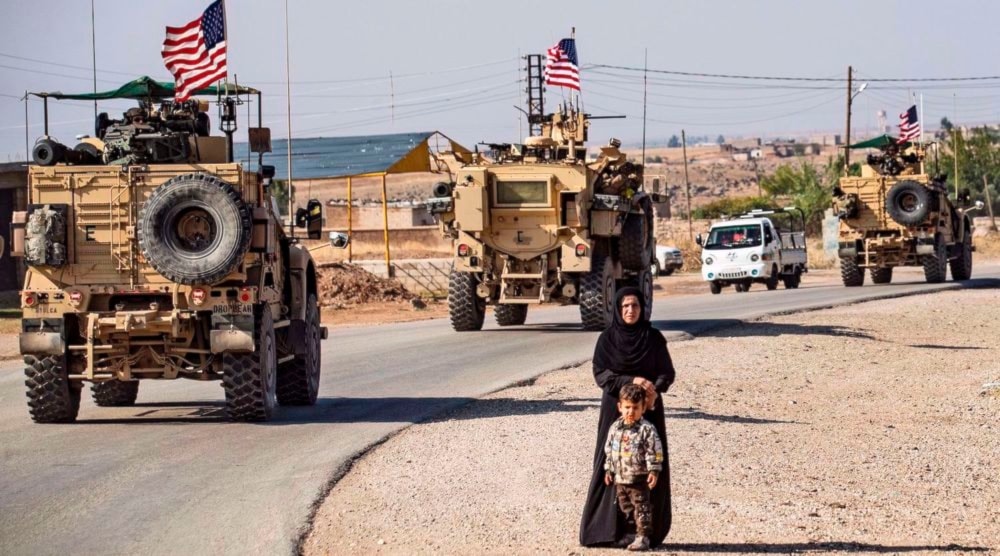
{"x":171,"y":476}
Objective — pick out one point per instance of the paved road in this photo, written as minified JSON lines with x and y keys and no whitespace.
{"x":170,"y":476}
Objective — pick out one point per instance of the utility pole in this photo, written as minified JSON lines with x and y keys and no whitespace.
{"x":847,"y":134}
{"x":687,"y":185}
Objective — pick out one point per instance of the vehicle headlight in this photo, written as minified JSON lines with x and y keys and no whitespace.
{"x":754,"y":257}
{"x":709,"y":260}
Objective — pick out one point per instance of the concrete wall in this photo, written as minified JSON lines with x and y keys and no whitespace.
{"x":370,"y":217}
{"x":428,"y":277}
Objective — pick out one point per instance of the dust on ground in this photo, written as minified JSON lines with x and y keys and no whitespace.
{"x":868,"y":428}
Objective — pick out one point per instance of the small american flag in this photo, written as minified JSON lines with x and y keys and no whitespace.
{"x":909,"y":126}
{"x":561,"y":67}
{"x":196,"y":53}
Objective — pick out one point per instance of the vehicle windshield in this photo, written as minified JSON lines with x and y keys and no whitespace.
{"x":734,"y":237}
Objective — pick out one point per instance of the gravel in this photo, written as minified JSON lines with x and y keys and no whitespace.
{"x":865,"y":428}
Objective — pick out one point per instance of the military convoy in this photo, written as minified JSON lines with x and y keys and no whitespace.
{"x":895,"y":214}
{"x":150,"y":254}
{"x":536,"y":223}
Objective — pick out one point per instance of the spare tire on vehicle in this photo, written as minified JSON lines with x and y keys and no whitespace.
{"x":908,"y":203}
{"x":194,"y":229}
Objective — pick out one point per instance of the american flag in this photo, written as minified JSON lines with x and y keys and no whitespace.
{"x":561,"y":67}
{"x":196,"y":53}
{"x":909,"y":126}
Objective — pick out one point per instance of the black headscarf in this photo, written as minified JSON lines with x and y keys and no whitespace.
{"x":622,"y":346}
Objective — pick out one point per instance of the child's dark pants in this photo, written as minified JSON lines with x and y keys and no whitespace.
{"x":634,"y":501}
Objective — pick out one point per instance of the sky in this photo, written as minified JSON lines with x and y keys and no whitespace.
{"x":384,"y":66}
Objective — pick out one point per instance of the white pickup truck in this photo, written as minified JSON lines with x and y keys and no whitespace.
{"x":752,"y":249}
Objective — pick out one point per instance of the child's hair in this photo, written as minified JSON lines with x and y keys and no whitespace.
{"x":632,"y":393}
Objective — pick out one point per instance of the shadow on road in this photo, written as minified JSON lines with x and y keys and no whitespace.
{"x":736,"y":328}
{"x":801,"y":548}
{"x":692,"y":413}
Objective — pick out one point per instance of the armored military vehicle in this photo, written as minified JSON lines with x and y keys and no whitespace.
{"x":895,"y":214}
{"x":536,"y":223}
{"x":150,"y":254}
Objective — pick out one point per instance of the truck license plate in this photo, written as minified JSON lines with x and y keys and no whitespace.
{"x":233,"y":308}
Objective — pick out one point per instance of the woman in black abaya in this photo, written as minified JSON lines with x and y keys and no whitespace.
{"x":627,"y":353}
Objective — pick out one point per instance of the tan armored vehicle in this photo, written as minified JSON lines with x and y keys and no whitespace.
{"x":151,"y":255}
{"x":894,"y":214}
{"x":535,"y":223}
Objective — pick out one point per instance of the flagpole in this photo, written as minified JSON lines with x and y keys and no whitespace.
{"x":288,"y":101}
{"x":93,"y":52}
{"x":645,"y":66}
{"x":225,"y":27}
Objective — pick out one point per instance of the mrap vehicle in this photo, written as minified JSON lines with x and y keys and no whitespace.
{"x":151,"y":255}
{"x":751,"y":249}
{"x":536,"y":223}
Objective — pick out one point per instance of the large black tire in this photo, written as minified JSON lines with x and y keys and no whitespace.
{"x":936,"y":265}
{"x":250,"y":379}
{"x":298,"y":380}
{"x":668,"y":272}
{"x":52,"y":398}
{"x":510,"y":315}
{"x":645,"y":284}
{"x":635,"y":247}
{"x":597,"y":293}
{"x":961,"y":265}
{"x":466,"y":309}
{"x":715,"y":288}
{"x":881,"y":275}
{"x":115,"y":393}
{"x":772,"y":281}
{"x":851,"y":274}
{"x":194,"y":229}
{"x":908,"y":202}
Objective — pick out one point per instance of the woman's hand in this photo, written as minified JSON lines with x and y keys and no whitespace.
{"x":650,"y":389}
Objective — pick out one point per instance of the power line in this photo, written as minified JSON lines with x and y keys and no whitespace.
{"x":798,"y":78}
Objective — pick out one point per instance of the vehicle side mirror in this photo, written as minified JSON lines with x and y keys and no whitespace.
{"x":314,"y":219}
{"x":339,"y":240}
{"x":698,"y":239}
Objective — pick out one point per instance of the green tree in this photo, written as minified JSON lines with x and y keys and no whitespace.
{"x":805,"y":186}
{"x":730,"y":206}
{"x":279,"y":190}
{"x":978,"y":157}
{"x":674,"y":142}
{"x":720,"y":140}
{"x":946,"y":124}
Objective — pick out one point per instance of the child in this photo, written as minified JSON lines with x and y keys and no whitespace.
{"x":633,"y":460}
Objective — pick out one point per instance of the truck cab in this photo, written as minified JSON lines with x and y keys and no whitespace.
{"x":752,"y":249}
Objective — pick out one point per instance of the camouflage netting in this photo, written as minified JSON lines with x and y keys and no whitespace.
{"x":344,"y":284}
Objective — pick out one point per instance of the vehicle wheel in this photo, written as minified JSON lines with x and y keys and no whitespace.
{"x":656,"y":268}
{"x":961,"y":266}
{"x":851,"y":274}
{"x":792,"y":282}
{"x":881,"y":275}
{"x":52,"y":397}
{"x":645,"y":285}
{"x":745,"y":286}
{"x":194,"y":229}
{"x":635,"y":245}
{"x":298,"y":380}
{"x":668,"y":272}
{"x":115,"y":393}
{"x":772,"y":280}
{"x":715,"y":288}
{"x":597,"y":293}
{"x":466,"y":309}
{"x":936,"y":265}
{"x":510,"y":315}
{"x":908,"y":202}
{"x":250,"y":379}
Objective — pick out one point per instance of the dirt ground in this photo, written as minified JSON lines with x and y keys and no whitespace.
{"x":870,"y":428}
